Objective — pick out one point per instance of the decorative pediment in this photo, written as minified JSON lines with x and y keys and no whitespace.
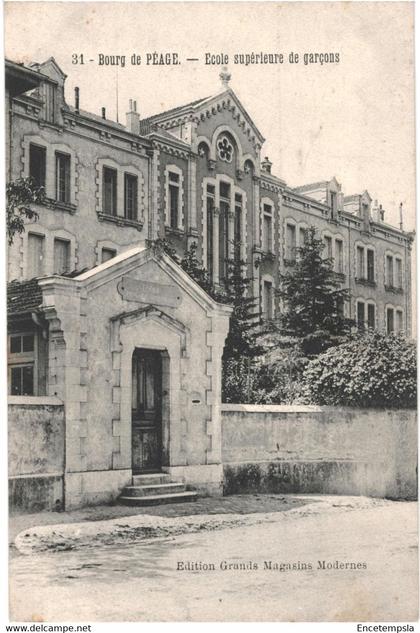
{"x":153,"y":313}
{"x":207,"y":108}
{"x":51,"y":69}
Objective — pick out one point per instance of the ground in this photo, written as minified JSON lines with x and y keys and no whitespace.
{"x":256,"y":557}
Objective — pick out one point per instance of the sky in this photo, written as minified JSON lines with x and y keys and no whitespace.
{"x":353,"y":119}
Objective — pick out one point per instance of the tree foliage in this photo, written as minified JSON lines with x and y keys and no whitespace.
{"x":242,"y":339}
{"x":372,"y":370}
{"x":21,"y":194}
{"x":312,"y":299}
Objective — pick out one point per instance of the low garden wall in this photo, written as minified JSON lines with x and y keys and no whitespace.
{"x":324,"y":450}
{"x":36,"y":453}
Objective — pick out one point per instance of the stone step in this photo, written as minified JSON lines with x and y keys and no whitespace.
{"x":155,"y":500}
{"x":152,"y":490}
{"x":151,"y":479}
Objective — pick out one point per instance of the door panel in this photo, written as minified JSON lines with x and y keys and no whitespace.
{"x":146,"y":410}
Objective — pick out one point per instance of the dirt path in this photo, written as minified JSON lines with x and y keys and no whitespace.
{"x":375,"y":544}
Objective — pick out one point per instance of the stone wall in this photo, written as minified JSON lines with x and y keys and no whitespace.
{"x":324,"y":450}
{"x":36,"y":453}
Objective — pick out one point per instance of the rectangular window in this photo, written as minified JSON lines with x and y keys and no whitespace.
{"x":399,"y":321}
{"x":339,"y":256}
{"x":173,"y":190}
{"x":360,"y":314}
{"x":302,"y":235}
{"x":371,"y":265}
{"x":225,"y":190}
{"x":267,"y":229}
{"x":62,"y":177}
{"x":390,"y":320}
{"x":371,"y":316}
{"x":210,"y":211}
{"x":398,"y":273}
{"x":107,"y":254}
{"x":360,"y":262}
{"x":389,"y":270}
{"x":109,"y":191}
{"x":268,"y":300}
{"x":130,"y":197}
{"x":61,"y":256}
{"x":328,"y":246}
{"x":237,"y":237}
{"x":22,"y":380}
{"x":290,"y":242}
{"x":21,"y":361}
{"x":224,"y":228}
{"x":37,"y":164}
{"x":35,"y":255}
{"x":21,"y":343}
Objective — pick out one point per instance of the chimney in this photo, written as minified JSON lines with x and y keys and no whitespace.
{"x":401,"y":217}
{"x":133,"y":118}
{"x":76,"y":99}
{"x":266,"y":165}
{"x":103,"y":113}
{"x":365,"y":214}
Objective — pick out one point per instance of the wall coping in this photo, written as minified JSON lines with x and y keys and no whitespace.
{"x":34,"y":400}
{"x":305,"y":408}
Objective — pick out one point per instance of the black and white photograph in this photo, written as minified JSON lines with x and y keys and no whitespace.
{"x":211,"y":312}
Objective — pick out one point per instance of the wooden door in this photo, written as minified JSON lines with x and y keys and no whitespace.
{"x":146,"y":411}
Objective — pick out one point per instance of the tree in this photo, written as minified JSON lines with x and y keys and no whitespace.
{"x":371,"y":370}
{"x":241,"y":346}
{"x":312,"y":299}
{"x":21,"y":194}
{"x":244,"y":330}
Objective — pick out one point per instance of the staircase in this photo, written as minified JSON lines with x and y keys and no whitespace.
{"x":152,"y":490}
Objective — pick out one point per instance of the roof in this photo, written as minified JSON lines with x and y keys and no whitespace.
{"x":23,"y":297}
{"x":192,"y":106}
{"x":311,"y":186}
{"x":20,"y":78}
{"x":145,"y":123}
{"x":97,"y":118}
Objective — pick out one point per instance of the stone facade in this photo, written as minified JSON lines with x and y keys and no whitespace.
{"x":91,"y":306}
{"x":213,"y":149}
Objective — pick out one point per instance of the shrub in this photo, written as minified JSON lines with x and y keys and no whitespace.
{"x":373,"y":370}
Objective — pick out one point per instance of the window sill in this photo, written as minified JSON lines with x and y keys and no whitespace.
{"x":170,"y":229}
{"x":62,"y":206}
{"x":365,"y":282}
{"x":394,"y":289}
{"x":120,"y":221}
{"x":34,"y":400}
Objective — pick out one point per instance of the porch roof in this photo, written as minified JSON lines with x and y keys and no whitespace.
{"x":23,"y":297}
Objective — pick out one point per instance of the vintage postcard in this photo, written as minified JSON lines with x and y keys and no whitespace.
{"x":210,"y":218}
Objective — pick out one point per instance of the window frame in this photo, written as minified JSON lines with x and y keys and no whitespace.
{"x":67,"y":243}
{"x":43,"y":151}
{"x":114,"y":192}
{"x":59,"y":155}
{"x":21,"y":360}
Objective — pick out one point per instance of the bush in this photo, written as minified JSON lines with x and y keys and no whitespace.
{"x":373,"y":370}
{"x":271,"y":379}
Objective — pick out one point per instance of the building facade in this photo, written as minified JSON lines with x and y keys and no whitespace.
{"x":191,"y":174}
